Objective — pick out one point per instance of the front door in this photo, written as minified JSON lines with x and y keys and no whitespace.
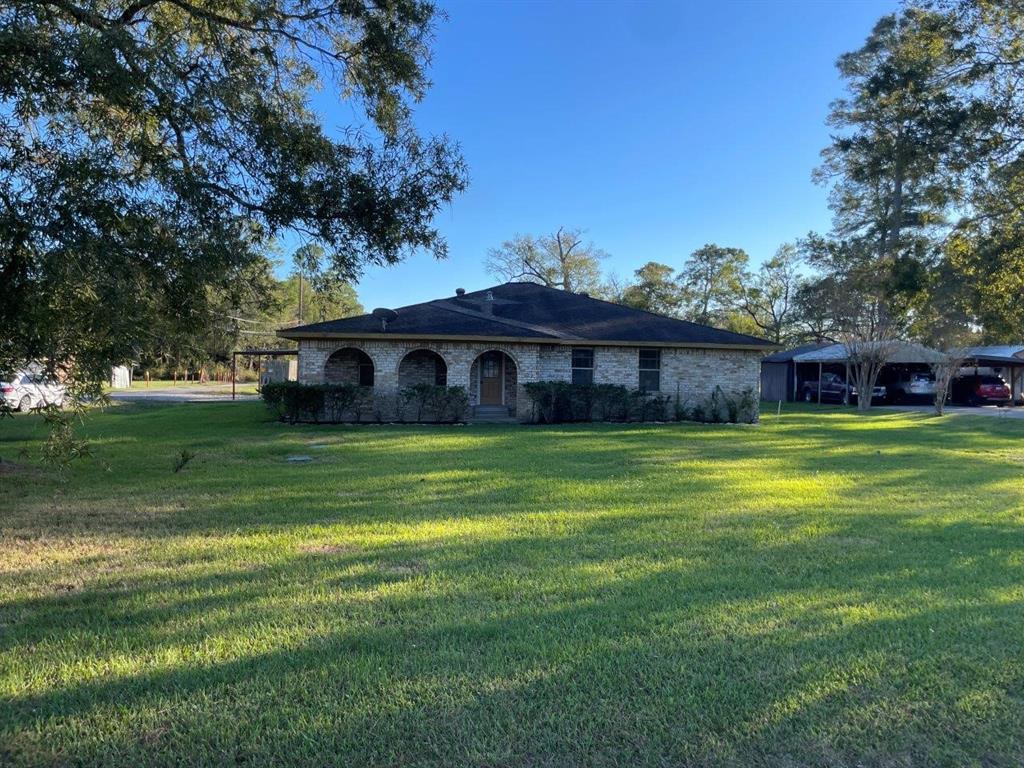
{"x":491,"y":375}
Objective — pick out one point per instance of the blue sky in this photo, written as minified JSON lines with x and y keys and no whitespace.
{"x":657,"y":127}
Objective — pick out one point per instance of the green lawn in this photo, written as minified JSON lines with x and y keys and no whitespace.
{"x":825,"y":589}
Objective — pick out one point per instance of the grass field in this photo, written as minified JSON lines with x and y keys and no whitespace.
{"x":825,"y":589}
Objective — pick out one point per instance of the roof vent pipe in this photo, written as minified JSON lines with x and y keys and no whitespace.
{"x":385,"y":316}
{"x":488,"y":303}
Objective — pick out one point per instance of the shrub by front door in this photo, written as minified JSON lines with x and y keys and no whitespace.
{"x":491,"y":375}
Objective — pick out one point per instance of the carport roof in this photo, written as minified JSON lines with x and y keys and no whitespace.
{"x":787,"y":355}
{"x":903,"y":352}
{"x":999,"y":351}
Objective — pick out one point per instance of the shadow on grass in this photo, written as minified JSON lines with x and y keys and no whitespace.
{"x":586,"y":649}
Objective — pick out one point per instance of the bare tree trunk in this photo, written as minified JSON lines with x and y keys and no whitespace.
{"x":945,"y":371}
{"x":866,"y":358}
{"x":566,"y":245}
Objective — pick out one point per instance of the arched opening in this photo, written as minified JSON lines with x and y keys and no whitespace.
{"x":422,"y":366}
{"x":494,"y":380}
{"x":349,"y":366}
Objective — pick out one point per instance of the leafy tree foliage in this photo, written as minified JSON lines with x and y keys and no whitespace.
{"x":654,"y":289}
{"x":560,"y":260}
{"x":320,"y":301}
{"x":769,"y":296}
{"x":150,"y":150}
{"x":712,"y":282}
{"x":246,"y":319}
{"x":928,"y":167}
{"x":982,"y":261}
{"x":331,"y":296}
{"x":818,"y":308}
{"x":227,"y":318}
{"x":893,"y":176}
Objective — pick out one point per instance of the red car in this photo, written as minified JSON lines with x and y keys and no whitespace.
{"x":980,"y":390}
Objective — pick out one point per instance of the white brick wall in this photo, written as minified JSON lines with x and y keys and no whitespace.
{"x":692,"y":373}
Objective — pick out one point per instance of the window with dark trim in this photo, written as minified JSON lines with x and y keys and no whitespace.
{"x":365,"y":370}
{"x":582,"y":365}
{"x":650,"y":370}
{"x":440,"y":373}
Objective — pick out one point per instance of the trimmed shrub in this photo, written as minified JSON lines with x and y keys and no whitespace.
{"x":556,"y":402}
{"x":344,"y":402}
{"x":720,"y":408}
{"x":421,"y":400}
{"x":294,"y":402}
{"x":550,"y":401}
{"x":454,"y":404}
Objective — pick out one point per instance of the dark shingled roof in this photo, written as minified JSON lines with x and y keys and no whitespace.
{"x":531,"y":311}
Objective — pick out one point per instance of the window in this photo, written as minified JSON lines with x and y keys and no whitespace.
{"x":582,"y":365}
{"x":365,"y":370}
{"x":490,"y":367}
{"x":650,"y":370}
{"x":440,"y":373}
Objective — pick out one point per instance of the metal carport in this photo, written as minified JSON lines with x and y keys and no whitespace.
{"x":998,"y":360}
{"x":810,"y":365}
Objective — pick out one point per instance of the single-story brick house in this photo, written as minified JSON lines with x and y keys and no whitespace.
{"x":493,"y":341}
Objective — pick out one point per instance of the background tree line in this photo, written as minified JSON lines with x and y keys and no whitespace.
{"x":247,"y":318}
{"x":714,"y":285}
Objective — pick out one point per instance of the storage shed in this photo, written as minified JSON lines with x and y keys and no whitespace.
{"x":778,"y":372}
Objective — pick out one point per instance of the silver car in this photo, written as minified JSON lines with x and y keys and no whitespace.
{"x":30,"y":388}
{"x":912,"y":384}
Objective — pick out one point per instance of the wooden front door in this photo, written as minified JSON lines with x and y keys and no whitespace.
{"x":492,"y":371}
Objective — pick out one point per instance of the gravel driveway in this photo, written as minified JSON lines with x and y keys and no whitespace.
{"x":199,"y":393}
{"x":984,"y":410}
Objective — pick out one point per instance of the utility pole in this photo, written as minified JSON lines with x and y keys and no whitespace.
{"x":300,"y":298}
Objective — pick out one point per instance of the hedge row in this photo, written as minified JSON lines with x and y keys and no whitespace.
{"x":332,"y":403}
{"x":555,"y":402}
{"x":552,"y":402}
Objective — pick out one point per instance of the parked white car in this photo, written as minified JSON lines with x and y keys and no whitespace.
{"x":29,"y":389}
{"x":912,"y":384}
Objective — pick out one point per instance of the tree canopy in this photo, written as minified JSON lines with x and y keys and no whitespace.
{"x":711,"y":280}
{"x":769,"y":296}
{"x":925,"y":169}
{"x":150,"y":151}
{"x":654,"y":289}
{"x":562,"y":259}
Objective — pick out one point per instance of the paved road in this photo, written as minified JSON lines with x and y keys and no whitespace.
{"x":985,"y":410}
{"x":199,"y":393}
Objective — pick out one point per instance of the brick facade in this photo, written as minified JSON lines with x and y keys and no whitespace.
{"x":691,"y":374}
